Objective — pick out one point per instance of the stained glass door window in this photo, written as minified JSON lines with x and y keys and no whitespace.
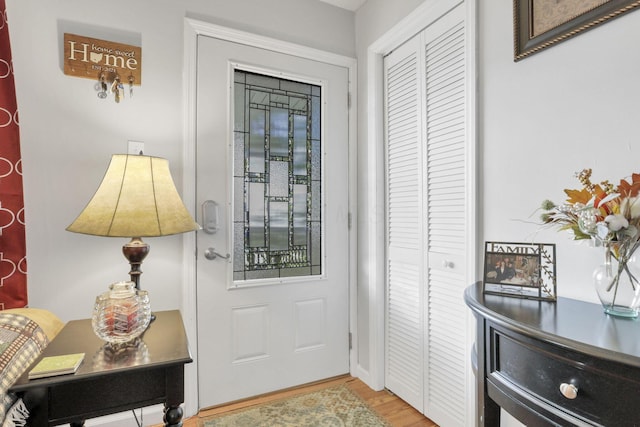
{"x":277,"y":178}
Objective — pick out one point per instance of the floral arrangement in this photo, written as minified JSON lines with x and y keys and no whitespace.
{"x":605,"y":213}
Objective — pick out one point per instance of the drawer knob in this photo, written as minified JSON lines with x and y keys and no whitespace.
{"x":569,"y":390}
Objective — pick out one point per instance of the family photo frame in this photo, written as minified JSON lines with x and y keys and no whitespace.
{"x":539,"y":24}
{"x":521,"y":270}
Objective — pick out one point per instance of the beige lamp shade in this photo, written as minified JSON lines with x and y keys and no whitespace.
{"x":137,"y":198}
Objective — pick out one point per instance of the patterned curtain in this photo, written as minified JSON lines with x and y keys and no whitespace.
{"x":13,"y":264}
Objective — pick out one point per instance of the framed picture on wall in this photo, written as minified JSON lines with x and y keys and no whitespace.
{"x":539,"y":24}
{"x":523,"y":270}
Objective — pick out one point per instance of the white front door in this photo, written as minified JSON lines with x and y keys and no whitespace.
{"x":272,"y":190}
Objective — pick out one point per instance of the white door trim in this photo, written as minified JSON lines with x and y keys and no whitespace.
{"x":192,"y":30}
{"x":403,"y":31}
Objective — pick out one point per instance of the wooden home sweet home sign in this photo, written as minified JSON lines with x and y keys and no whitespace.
{"x":102,"y":60}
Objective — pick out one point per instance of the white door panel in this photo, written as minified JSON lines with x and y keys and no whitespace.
{"x":405,"y":338}
{"x":256,"y":337}
{"x":427,"y":189}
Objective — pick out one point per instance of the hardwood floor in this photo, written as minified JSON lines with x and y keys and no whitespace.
{"x":386,"y":404}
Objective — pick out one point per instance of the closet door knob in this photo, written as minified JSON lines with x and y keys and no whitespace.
{"x":447,"y":264}
{"x":569,"y":391}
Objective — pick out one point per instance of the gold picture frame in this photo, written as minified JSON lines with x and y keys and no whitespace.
{"x":539,"y":24}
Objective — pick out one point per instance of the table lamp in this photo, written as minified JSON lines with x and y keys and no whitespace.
{"x":137,"y":198}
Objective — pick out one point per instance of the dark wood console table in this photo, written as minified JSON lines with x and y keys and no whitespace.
{"x":563,"y":363}
{"x":107,"y":382}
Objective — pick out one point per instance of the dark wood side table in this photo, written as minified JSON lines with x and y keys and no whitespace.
{"x":563,"y":363}
{"x":108,"y":382}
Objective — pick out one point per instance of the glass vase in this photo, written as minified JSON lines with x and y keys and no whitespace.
{"x":616,"y":282}
{"x":121,"y":314}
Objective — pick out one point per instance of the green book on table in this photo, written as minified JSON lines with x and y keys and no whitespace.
{"x":56,"y":365}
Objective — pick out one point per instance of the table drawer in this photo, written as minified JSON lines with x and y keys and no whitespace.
{"x":537,"y":368}
{"x":106,"y":394}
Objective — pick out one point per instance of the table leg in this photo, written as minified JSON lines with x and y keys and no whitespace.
{"x":173,"y":416}
{"x":77,"y":424}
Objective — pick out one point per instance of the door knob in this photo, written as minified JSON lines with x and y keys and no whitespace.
{"x":211,"y":254}
{"x":569,"y":391}
{"x":447,"y":264}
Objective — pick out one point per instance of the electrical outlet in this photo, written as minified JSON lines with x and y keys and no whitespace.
{"x":136,"y":147}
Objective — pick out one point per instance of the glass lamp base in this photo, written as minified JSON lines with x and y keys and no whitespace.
{"x":121,"y":314}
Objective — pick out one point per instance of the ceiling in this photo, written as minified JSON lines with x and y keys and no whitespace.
{"x":346,"y":4}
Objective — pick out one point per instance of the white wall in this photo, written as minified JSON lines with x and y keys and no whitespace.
{"x":569,"y":107}
{"x":68,"y":134}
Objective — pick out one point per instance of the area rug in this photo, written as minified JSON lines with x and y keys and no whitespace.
{"x":330,"y":407}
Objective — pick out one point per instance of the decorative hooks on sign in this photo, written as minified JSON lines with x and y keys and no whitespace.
{"x":116,"y":87}
{"x":102,"y":86}
{"x":131,"y":80}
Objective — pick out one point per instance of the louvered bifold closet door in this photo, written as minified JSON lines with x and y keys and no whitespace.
{"x":427,"y":216}
{"x":447,"y":235}
{"x":405,"y":255}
